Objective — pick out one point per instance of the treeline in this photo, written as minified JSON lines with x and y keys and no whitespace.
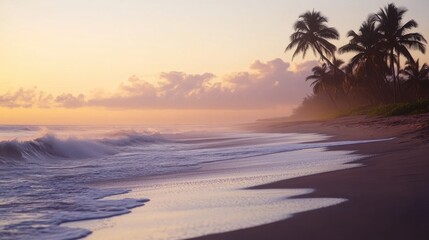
{"x":381,"y":71}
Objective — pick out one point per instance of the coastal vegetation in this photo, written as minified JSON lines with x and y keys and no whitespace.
{"x":382,"y":77}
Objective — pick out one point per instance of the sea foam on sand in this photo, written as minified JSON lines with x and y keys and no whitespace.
{"x":214,"y":198}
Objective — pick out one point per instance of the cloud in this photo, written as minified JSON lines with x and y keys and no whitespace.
{"x":26,"y":98}
{"x":67,"y":100}
{"x":306,"y":66}
{"x":264,"y":85}
{"x":267,"y":84}
{"x":182,"y":84}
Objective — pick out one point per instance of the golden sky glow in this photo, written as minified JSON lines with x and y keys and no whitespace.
{"x":58,"y":50}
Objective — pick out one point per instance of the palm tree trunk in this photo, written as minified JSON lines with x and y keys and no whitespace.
{"x":392,"y":70}
{"x":325,"y":90}
{"x":416,"y":89}
{"x":399,"y":83}
{"x":325,"y":59}
{"x":332,"y":100}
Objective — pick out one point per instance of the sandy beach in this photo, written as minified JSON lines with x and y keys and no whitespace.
{"x":387,"y":198}
{"x":379,"y":193}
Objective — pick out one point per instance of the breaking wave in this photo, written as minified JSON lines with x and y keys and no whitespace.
{"x":51,"y":146}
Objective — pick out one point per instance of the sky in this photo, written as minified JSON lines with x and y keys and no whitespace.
{"x":162,"y":61}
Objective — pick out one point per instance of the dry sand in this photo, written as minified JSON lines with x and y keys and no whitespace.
{"x":388,"y":197}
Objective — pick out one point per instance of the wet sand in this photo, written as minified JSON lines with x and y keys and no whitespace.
{"x":216,"y":197}
{"x":388,"y":198}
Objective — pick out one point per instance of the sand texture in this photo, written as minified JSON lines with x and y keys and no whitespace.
{"x":388,"y":197}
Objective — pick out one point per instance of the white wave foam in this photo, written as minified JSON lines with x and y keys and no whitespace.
{"x":126,"y":138}
{"x":51,"y":146}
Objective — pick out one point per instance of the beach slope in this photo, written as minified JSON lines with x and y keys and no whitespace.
{"x":387,"y":197}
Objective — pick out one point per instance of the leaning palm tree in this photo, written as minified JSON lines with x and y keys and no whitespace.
{"x":396,"y":38}
{"x":311,"y":32}
{"x":415,"y":76}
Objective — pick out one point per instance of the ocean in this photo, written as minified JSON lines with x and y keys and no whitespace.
{"x":49,"y":174}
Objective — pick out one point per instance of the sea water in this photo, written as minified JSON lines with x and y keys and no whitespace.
{"x":47,"y":173}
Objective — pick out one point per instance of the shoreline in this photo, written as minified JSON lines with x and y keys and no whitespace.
{"x":387,"y":197}
{"x":231,"y":183}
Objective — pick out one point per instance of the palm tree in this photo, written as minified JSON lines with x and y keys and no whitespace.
{"x":327,"y":80}
{"x":311,"y":32}
{"x":415,"y":76}
{"x":337,"y":77}
{"x":368,"y":63}
{"x":319,"y":78}
{"x":365,"y":44}
{"x":396,"y":38}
